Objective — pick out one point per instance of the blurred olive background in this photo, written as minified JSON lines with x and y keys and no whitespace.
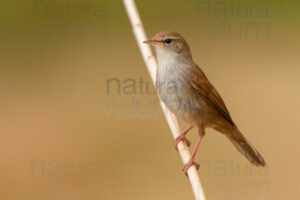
{"x":80,"y":118}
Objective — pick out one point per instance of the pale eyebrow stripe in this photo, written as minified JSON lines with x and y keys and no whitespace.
{"x":174,"y":38}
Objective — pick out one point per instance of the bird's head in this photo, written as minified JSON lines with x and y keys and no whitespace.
{"x":169,"y":42}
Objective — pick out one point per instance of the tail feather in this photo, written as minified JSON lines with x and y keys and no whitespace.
{"x":243,"y":146}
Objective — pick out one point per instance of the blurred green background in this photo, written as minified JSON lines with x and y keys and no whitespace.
{"x":80,"y":120}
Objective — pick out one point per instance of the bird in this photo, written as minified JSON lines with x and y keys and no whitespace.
{"x":187,"y":92}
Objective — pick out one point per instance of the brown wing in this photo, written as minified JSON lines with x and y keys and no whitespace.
{"x":206,"y":90}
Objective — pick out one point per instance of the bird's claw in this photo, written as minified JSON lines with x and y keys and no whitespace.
{"x":181,"y":138}
{"x":188,"y":165}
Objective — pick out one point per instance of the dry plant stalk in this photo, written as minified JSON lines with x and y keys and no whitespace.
{"x":172,"y":121}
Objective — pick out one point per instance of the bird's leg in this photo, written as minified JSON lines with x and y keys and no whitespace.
{"x":191,"y":161}
{"x":182,"y":137}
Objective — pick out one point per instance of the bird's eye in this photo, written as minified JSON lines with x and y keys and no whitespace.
{"x":168,"y":41}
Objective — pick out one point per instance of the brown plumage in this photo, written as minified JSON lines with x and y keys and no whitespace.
{"x":187,"y":92}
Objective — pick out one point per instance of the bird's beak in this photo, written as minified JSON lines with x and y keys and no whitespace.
{"x":153,"y":42}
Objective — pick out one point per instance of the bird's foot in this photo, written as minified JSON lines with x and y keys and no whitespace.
{"x":188,"y":165}
{"x":181,"y":137}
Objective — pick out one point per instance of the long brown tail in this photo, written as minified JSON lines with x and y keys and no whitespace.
{"x":246,"y":148}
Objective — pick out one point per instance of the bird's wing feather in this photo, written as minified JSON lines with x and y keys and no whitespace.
{"x":201,"y":85}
